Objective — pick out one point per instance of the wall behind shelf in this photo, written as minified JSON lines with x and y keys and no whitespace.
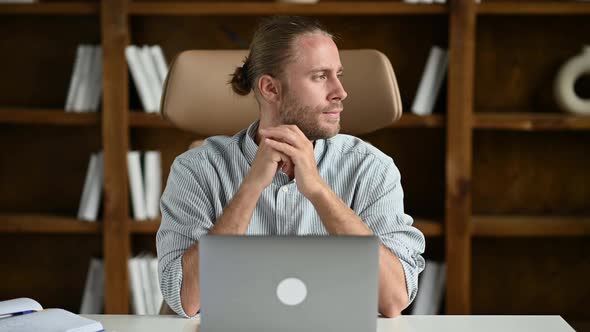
{"x":518,"y":58}
{"x":38,"y":55}
{"x":531,"y":173}
{"x":48,"y":268}
{"x":531,"y":277}
{"x":42,"y":169}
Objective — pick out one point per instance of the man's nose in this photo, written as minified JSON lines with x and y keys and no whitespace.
{"x":339,"y":92}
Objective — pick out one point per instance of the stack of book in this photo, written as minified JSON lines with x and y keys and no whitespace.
{"x":431,"y":81}
{"x":146,"y":297}
{"x":148,"y":70}
{"x":86,"y":81}
{"x":431,"y":288}
{"x":145,"y":187}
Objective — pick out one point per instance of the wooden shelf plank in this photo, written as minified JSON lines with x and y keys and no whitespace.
{"x":50,"y":8}
{"x":430,"y":228}
{"x":534,"y":8}
{"x":267,"y":8}
{"x":530,"y":226}
{"x":409,"y":120}
{"x":144,"y":227}
{"x":58,"y":117}
{"x":46,"y":224}
{"x":530,"y":121}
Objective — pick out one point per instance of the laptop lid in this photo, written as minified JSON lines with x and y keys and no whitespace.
{"x":278,"y":283}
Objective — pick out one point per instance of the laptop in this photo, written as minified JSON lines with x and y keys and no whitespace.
{"x":280,"y":283}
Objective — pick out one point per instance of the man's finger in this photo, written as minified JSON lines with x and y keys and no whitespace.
{"x":282,"y":135}
{"x":285,"y":148}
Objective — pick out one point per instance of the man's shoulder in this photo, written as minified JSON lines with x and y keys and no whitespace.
{"x":352,"y":145}
{"x":212,"y":148}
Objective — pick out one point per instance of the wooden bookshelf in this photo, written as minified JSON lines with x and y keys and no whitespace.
{"x":530,"y":226}
{"x":269,"y":8}
{"x":54,"y":117}
{"x":409,"y":120}
{"x":530,"y":121}
{"x":46,"y":224}
{"x":50,"y":8}
{"x":534,"y":8}
{"x":496,"y":166}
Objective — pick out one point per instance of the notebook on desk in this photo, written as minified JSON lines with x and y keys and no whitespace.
{"x":24,"y":315}
{"x":264,"y":283}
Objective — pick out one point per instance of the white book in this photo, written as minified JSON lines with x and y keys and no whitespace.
{"x":95,"y":90}
{"x":146,"y":286}
{"x":136,"y":185}
{"x":36,"y":319}
{"x":152,"y":183}
{"x":74,"y":79}
{"x":89,"y":185}
{"x":88,"y":59}
{"x":93,"y":296}
{"x":160,"y":63}
{"x":137,"y":298}
{"x":90,"y":171}
{"x":431,"y":81}
{"x":95,"y":194}
{"x":92,"y":192}
{"x":139,"y":78}
{"x":426,"y":289}
{"x":439,"y":289}
{"x":152,"y":77}
{"x":155,"y":282}
{"x":84,"y":70}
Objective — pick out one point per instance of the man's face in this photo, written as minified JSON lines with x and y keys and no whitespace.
{"x":312,"y":94}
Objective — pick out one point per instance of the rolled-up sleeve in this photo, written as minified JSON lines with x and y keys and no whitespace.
{"x":186,"y":216}
{"x":382,"y":209}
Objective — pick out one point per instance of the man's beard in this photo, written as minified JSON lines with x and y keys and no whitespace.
{"x":307,"y":119}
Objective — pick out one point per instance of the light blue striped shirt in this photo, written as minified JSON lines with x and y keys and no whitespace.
{"x":203,"y":180}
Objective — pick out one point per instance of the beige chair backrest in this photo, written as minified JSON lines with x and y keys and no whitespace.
{"x":198,"y":98}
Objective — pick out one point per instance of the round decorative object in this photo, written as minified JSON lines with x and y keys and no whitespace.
{"x":572,"y":70}
{"x":291,"y":291}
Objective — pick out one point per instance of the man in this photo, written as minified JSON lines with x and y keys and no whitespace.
{"x":288,"y":173}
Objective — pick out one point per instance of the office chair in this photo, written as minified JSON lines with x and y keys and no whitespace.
{"x":197,"y":97}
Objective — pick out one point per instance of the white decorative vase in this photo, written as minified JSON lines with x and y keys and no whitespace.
{"x":566,"y":97}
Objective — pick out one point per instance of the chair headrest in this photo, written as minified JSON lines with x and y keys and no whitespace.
{"x":198,"y":98}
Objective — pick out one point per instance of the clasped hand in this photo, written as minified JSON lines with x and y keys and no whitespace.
{"x":286,"y":147}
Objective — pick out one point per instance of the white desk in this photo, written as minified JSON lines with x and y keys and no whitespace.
{"x":124,"y":323}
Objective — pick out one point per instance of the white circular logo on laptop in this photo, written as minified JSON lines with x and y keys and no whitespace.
{"x":291,"y":291}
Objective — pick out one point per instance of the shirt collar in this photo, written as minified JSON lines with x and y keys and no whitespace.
{"x":249,"y":146}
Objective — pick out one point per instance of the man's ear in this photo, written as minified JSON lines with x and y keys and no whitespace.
{"x":270,"y":88}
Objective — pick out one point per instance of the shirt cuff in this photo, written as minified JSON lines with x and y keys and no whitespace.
{"x":175,"y":286}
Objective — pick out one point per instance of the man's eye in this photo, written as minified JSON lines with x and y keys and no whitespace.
{"x":322,"y":77}
{"x":340,"y":76}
